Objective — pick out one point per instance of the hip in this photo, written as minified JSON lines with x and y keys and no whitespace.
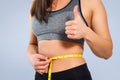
{"x":80,"y":72}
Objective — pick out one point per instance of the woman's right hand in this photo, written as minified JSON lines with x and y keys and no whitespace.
{"x":40,"y":63}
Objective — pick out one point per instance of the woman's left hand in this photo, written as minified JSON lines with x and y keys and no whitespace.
{"x":76,"y":29}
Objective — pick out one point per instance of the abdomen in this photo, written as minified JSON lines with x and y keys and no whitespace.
{"x":58,"y":47}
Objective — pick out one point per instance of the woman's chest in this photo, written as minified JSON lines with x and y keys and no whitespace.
{"x":56,"y":23}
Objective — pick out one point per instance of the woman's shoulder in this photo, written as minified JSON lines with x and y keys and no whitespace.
{"x":91,"y":3}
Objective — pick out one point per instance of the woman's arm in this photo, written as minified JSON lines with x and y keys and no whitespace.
{"x":39,"y":62}
{"x":32,"y":45}
{"x":98,"y":36}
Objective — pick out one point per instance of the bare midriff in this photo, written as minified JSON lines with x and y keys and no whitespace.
{"x":52,"y":48}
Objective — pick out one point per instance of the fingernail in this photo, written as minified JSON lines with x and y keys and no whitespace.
{"x":48,"y":57}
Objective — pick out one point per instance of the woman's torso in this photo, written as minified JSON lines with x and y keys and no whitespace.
{"x":52,"y":48}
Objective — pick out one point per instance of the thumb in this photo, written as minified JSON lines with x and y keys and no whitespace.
{"x":76,"y":13}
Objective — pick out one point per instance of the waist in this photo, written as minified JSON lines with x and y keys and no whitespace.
{"x":61,"y":63}
{"x":73,"y":64}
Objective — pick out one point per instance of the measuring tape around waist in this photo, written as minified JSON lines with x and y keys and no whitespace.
{"x":60,"y":57}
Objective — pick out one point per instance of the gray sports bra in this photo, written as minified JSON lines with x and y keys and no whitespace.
{"x":55,"y":28}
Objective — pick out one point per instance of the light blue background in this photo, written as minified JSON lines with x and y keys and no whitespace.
{"x":14,"y":37}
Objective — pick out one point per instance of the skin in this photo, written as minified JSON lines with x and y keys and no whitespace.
{"x":96,"y":35}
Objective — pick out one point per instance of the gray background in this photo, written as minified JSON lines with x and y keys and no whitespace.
{"x":14,"y":37}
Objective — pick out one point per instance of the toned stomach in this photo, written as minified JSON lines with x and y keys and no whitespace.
{"x":52,"y":48}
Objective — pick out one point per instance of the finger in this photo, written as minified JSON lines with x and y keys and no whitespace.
{"x":71,"y":36}
{"x":40,"y":63}
{"x":41,"y":57}
{"x":38,"y":56}
{"x":76,"y":12}
{"x":70,"y":32}
{"x":41,"y":71}
{"x":69,"y":23}
{"x":46,"y":71}
{"x":41,"y":67}
{"x":70,"y":27}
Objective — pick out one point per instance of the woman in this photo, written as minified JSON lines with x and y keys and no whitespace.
{"x":58,"y":31}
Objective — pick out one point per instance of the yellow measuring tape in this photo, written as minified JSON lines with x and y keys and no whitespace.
{"x":60,"y":57}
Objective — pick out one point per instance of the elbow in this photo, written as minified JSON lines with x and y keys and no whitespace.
{"x":105,"y":52}
{"x":106,"y":57}
{"x":108,"y":54}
